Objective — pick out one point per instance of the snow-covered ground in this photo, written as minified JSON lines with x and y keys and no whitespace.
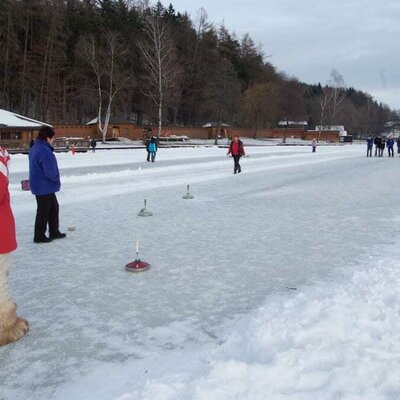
{"x":217,"y":316}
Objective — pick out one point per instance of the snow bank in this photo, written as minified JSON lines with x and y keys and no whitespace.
{"x":329,"y":342}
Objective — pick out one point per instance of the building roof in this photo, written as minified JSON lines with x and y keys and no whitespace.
{"x":9,"y":119}
{"x":214,"y":124}
{"x":286,"y":123}
{"x":113,"y":121}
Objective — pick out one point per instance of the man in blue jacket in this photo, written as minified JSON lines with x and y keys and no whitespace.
{"x":44,"y":179}
{"x":390,"y":145}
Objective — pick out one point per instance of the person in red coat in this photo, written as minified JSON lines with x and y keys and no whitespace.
{"x":12,"y":328}
{"x":236,"y":149}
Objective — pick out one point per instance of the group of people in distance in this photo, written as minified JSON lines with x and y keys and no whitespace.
{"x":380,"y":144}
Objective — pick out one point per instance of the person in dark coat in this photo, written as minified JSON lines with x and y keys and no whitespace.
{"x":398,"y":145}
{"x":370,"y":145}
{"x":390,"y":146}
{"x":236,"y":150}
{"x":152,"y":149}
{"x":44,"y":179}
{"x":377,"y":142}
{"x":93,"y":145}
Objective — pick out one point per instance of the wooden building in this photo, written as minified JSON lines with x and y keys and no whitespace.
{"x":16,"y":131}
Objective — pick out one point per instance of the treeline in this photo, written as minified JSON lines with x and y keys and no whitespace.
{"x":61,"y":59}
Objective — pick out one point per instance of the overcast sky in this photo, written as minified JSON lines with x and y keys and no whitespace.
{"x":307,"y":38}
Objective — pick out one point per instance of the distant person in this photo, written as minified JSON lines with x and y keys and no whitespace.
{"x":93,"y":145}
{"x":44,"y":179}
{"x":382,"y":147}
{"x":147,"y":144}
{"x":398,"y":145}
{"x":314,"y":145}
{"x":12,"y":328}
{"x":377,"y":142}
{"x":370,"y":145}
{"x":236,"y":150}
{"x":390,"y":146}
{"x":152,"y":149}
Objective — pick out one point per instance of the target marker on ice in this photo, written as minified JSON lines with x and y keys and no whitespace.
{"x":138,"y":265}
{"x":144,"y":212}
{"x":188,"y":196}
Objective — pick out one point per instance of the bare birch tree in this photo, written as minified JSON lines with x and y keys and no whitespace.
{"x":338,"y":89}
{"x":324,"y":103}
{"x":104,"y":57}
{"x":331,"y":101}
{"x":160,"y":63}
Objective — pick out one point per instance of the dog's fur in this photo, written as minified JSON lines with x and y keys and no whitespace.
{"x":12,"y":328}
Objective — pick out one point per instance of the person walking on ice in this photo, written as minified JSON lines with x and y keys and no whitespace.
{"x":236,"y":150}
{"x":152,"y":149}
{"x":12,"y":328}
{"x":370,"y":145}
{"x":314,"y":145}
{"x":93,"y":145}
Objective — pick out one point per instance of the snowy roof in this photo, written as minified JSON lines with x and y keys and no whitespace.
{"x":214,"y":124}
{"x":113,"y":121}
{"x":284,"y":123}
{"x":9,"y":119}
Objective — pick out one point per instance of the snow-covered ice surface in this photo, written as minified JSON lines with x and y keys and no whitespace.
{"x":216,"y":317}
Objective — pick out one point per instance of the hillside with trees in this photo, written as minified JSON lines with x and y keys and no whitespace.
{"x":68,"y":61}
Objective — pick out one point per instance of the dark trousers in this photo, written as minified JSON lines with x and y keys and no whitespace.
{"x":314,"y":149}
{"x":376,"y":150}
{"x":369,"y":151}
{"x":46,"y":214}
{"x":391,"y":152}
{"x":148,"y":156}
{"x":153,"y":156}
{"x":237,"y":167}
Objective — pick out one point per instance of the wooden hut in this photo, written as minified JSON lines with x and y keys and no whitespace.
{"x":16,"y":131}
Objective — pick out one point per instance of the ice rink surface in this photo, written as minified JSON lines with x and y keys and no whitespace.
{"x":217,"y":316}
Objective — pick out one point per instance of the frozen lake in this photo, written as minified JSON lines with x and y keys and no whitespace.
{"x":292,"y":219}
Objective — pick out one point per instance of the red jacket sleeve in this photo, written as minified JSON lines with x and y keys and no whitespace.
{"x":8,"y":241}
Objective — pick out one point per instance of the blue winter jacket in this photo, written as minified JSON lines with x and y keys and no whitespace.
{"x":44,"y":177}
{"x":370,"y":142}
{"x":390,"y":143}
